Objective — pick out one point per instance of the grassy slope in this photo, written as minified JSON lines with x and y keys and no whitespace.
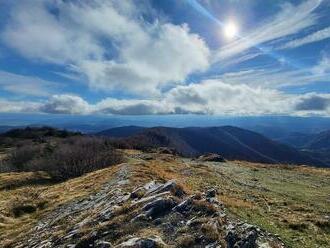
{"x":17,"y":189}
{"x":291,"y":202}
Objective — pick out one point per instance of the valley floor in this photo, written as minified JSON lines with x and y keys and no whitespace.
{"x":292,"y":203}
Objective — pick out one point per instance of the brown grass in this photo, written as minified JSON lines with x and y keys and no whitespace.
{"x":43,"y":198}
{"x":186,"y":241}
{"x":210,"y":232}
{"x":204,"y":207}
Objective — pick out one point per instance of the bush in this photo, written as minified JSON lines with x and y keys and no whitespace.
{"x":4,"y":167}
{"x":79,"y":155}
{"x":20,"y":157}
{"x":37,"y":133}
{"x":65,"y":158}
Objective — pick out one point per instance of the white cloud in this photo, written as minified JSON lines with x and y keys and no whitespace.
{"x":323,"y":67}
{"x":65,"y":104}
{"x":37,"y":34}
{"x":130,"y":107}
{"x":147,"y":65}
{"x":216,"y":97}
{"x":311,"y":38}
{"x":110,"y":44}
{"x":26,"y":85}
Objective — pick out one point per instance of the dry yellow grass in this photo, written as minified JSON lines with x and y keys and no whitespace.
{"x":52,"y":194}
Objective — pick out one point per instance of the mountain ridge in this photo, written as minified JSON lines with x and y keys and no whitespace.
{"x":232,"y":142}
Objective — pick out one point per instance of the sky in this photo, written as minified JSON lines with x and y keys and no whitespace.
{"x":151,"y":57}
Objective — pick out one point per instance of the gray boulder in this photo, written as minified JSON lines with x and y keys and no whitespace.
{"x":245,"y":240}
{"x":158,"y":207}
{"x":211,"y":157}
{"x":184,"y":206}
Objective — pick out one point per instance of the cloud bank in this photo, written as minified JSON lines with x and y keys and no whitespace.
{"x":207,"y":97}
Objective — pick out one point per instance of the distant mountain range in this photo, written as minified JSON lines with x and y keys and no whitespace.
{"x":263,"y":142}
{"x":272,"y":127}
{"x":314,"y":142}
{"x":121,"y":132}
{"x":231,"y":142}
{"x":320,"y":141}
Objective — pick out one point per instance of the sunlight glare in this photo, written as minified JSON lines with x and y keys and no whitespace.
{"x":230,"y":30}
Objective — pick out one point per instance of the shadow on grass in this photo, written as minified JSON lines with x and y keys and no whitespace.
{"x":39,"y":178}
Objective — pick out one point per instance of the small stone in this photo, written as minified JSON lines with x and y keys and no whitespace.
{"x":211,"y":193}
{"x":157,"y":221}
{"x":184,"y":206}
{"x":189,"y":222}
{"x":152,"y":242}
{"x":103,"y":244}
{"x":231,"y":239}
{"x":230,"y":226}
{"x":213,"y":245}
{"x":138,"y":193}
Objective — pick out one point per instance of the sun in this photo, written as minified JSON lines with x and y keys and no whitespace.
{"x":230,"y":30}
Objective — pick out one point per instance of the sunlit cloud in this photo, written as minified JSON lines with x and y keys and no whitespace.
{"x":143,"y":62}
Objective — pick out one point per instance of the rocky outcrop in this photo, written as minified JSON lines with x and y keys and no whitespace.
{"x":211,"y":157}
{"x":153,"y":215}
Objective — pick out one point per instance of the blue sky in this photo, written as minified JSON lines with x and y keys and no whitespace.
{"x":211,"y":57}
